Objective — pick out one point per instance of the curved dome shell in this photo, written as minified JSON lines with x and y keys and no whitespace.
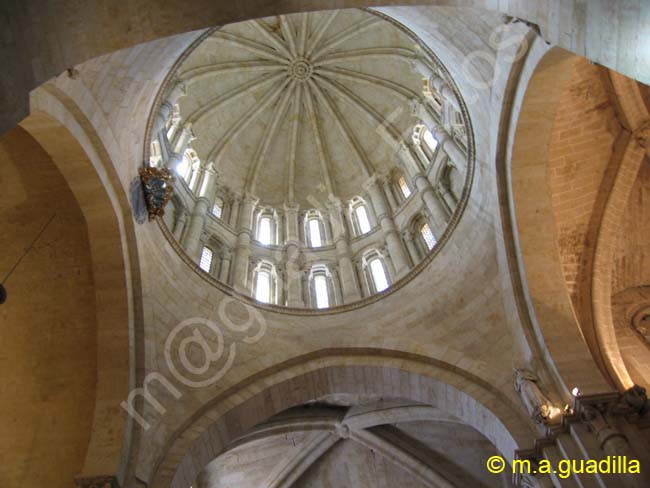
{"x":296,"y":108}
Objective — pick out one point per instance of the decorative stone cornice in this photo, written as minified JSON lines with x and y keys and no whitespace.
{"x":597,"y":412}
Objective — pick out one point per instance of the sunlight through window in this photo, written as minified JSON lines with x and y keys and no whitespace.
{"x":378,"y":275}
{"x":264,"y":231}
{"x":263,"y":287}
{"x":429,"y":140}
{"x":314,"y":233}
{"x":322,"y":296}
{"x":362,"y":219}
{"x":206,"y":260}
{"x":406,"y":191}
{"x":428,"y":236}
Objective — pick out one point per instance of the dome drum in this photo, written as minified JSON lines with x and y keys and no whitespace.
{"x":317,"y":146}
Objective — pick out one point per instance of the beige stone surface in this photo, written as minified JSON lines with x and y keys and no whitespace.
{"x":495,"y":297}
{"x":48,"y":327}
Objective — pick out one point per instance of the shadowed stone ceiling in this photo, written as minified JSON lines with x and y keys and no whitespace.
{"x":299,"y":107}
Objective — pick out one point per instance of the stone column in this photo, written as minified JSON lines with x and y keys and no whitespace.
{"x":447,"y":144}
{"x":449,"y":198}
{"x":421,"y":155}
{"x":184,"y":138}
{"x":207,"y":188}
{"x":167,"y":107}
{"x":195,"y":175}
{"x":336,"y":287}
{"x":234,"y":211}
{"x":180,"y":147}
{"x":390,"y":265}
{"x":384,"y":217}
{"x":179,"y":225}
{"x":293,"y":258}
{"x":192,"y":241}
{"x":389,"y":194}
{"x":436,"y":81}
{"x":411,"y":246}
{"x":423,"y":186}
{"x":224,"y":272}
{"x":280,"y":297}
{"x":440,"y":134}
{"x":242,"y":249}
{"x":348,"y":278}
{"x":611,"y":440}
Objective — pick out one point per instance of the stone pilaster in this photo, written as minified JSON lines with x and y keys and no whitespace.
{"x":179,"y":225}
{"x":385,"y":219}
{"x":192,"y":241}
{"x":439,"y":216}
{"x":224,"y":272}
{"x":293,"y":258}
{"x":242,"y":249}
{"x":348,"y":278}
{"x":409,"y":239}
{"x":207,"y":189}
{"x":167,"y":107}
{"x":440,"y":134}
{"x":435,"y":81}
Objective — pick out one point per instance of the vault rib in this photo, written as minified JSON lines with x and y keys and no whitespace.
{"x":371,"y":80}
{"x":262,"y":148}
{"x":195,"y":74}
{"x":246,"y":118}
{"x":293,"y":146}
{"x":300,"y":459}
{"x":369,"y":113}
{"x":320,"y":30}
{"x":248,"y":44}
{"x":231,"y":96}
{"x":380,"y":52}
{"x":366,"y":166}
{"x":275,"y":42}
{"x":345,"y":35}
{"x":323,"y":155}
{"x":289,"y":35}
{"x":302,"y":36}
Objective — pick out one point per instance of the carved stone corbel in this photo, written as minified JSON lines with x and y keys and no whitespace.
{"x":634,"y":401}
{"x":537,"y":404}
{"x":611,"y":440}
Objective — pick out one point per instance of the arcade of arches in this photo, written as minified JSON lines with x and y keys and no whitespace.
{"x":274,"y":244}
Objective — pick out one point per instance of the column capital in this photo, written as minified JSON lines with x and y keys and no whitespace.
{"x":189,"y":133}
{"x":249,"y":198}
{"x":420,"y":61}
{"x":178,"y":90}
{"x":211,"y":167}
{"x":372,"y":182}
{"x":291,"y":208}
{"x":202,"y":199}
{"x":334,"y":204}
